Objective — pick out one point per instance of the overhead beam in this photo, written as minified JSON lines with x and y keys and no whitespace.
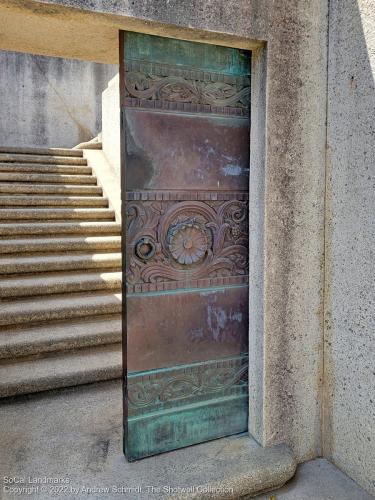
{"x":53,"y":29}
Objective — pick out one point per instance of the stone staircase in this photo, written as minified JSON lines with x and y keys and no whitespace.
{"x":60,"y":273}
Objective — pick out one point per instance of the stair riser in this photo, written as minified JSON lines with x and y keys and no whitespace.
{"x":52,"y":189}
{"x":18,"y":344}
{"x":42,"y":151}
{"x":30,"y":246}
{"x":109,"y":370}
{"x":45,"y":169}
{"x":85,"y":285}
{"x":47,"y":159}
{"x":47,"y":178}
{"x":27,"y":317}
{"x":20,"y":350}
{"x":58,"y":201}
{"x":66,"y":266}
{"x":59,"y":214}
{"x":57,"y":228}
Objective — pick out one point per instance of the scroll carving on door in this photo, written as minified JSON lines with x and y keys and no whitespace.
{"x":185,"y":139}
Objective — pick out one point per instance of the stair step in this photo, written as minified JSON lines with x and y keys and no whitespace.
{"x":38,"y":228}
{"x":56,"y":213}
{"x":49,"y":189}
{"x":72,"y":244}
{"x":60,"y":263}
{"x":42,"y":151}
{"x":59,"y":283}
{"x":89,"y":145}
{"x":59,"y":336}
{"x":56,"y":370}
{"x":55,"y":262}
{"x":47,"y":178}
{"x":59,"y":307}
{"x":45,"y":169}
{"x":56,"y":201}
{"x":33,"y":158}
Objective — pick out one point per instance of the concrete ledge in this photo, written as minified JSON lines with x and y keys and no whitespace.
{"x":76,"y":433}
{"x":237,"y":467}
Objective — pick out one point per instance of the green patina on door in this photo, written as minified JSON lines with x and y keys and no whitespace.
{"x":185,"y":172}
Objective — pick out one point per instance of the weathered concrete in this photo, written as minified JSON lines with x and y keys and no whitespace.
{"x":46,"y":284}
{"x":349,"y":423}
{"x":85,"y":446}
{"x":287,"y":193}
{"x":318,"y":480}
{"x":287,"y":171}
{"x":111,"y":124}
{"x":287,"y":220}
{"x":108,"y":176}
{"x":49,"y":101}
{"x":89,"y":30}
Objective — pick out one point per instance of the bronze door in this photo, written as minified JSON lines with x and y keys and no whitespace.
{"x":185,"y":137}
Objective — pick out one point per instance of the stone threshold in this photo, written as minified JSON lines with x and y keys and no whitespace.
{"x":76,"y":433}
{"x":234,"y":468}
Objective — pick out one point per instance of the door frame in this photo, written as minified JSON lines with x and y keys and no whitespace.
{"x":256,"y":210}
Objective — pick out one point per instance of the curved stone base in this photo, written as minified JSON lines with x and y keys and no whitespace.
{"x":76,"y":433}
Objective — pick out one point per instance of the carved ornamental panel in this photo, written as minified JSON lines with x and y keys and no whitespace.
{"x":186,"y":242}
{"x":183,"y":89}
{"x":185,"y":111}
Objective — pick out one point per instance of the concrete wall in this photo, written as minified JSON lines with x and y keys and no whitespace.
{"x":48,"y":101}
{"x":286,"y":224}
{"x":291,"y":194}
{"x":111,"y":123}
{"x":350,"y":242}
{"x":287,"y":172}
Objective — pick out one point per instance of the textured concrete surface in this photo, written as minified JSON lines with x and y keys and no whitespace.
{"x":287,"y":171}
{"x":286,"y":227}
{"x":77,"y":243}
{"x":35,"y":158}
{"x":349,"y":422}
{"x":60,"y":369}
{"x":41,"y":151}
{"x":60,"y":213}
{"x":289,"y":76}
{"x":318,"y":480}
{"x":37,"y":339}
{"x":30,"y":285}
{"x":108,"y":172}
{"x":39,"y":168}
{"x":111,"y":123}
{"x":53,"y":201}
{"x":43,"y":228}
{"x":54,"y":189}
{"x":47,"y":285}
{"x":59,"y":307}
{"x":89,"y":30}
{"x":49,"y":101}
{"x":76,"y":434}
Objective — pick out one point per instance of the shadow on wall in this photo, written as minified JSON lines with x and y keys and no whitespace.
{"x":50,"y":101}
{"x":350,"y":242}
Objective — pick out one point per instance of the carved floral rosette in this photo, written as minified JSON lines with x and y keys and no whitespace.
{"x":186,"y":240}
